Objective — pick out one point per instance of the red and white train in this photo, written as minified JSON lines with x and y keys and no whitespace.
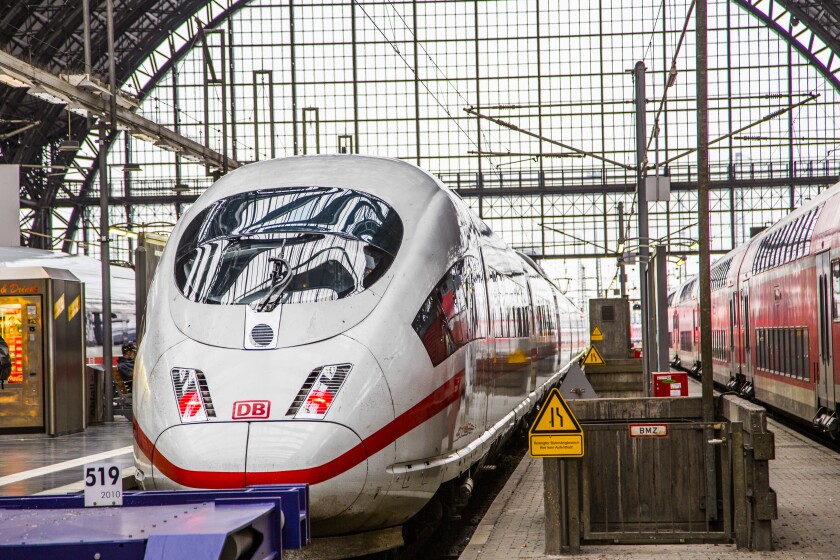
{"x":775,"y":315}
{"x":347,"y":322}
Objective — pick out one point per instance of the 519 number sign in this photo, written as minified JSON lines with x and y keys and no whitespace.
{"x":103,"y":485}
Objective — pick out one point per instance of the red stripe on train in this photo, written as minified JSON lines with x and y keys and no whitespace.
{"x":434,"y":403}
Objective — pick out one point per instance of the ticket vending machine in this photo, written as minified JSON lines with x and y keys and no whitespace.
{"x":42,"y":321}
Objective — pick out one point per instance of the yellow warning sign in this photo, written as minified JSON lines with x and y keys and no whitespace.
{"x":593,"y":358}
{"x":556,"y":432}
{"x":58,"y":307}
{"x":74,"y":308}
{"x":597,"y":334}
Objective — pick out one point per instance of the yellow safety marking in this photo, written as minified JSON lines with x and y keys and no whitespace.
{"x":74,"y":308}
{"x":597,"y":334}
{"x":593,"y":358}
{"x":556,"y":432}
{"x":58,"y":307}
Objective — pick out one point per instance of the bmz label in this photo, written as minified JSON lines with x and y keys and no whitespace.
{"x":251,"y":409}
{"x":648,"y":430}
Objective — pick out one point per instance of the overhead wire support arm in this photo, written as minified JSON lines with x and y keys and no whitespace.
{"x":769,"y":117}
{"x":511,"y":126}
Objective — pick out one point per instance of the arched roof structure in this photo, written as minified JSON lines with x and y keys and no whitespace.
{"x":49,"y":34}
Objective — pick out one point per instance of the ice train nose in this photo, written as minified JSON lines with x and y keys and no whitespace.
{"x":328,"y":456}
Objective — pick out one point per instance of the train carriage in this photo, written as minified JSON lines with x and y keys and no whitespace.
{"x":344,"y":321}
{"x":776,"y":314}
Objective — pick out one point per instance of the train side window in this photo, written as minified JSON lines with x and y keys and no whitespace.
{"x":449,"y":317}
{"x":835,"y":290}
{"x":768,"y":350}
{"x":759,"y":348}
{"x":788,"y":346}
{"x":796,"y":362}
{"x":780,"y":341}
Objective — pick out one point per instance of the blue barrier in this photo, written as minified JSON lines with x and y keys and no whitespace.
{"x":255,"y":522}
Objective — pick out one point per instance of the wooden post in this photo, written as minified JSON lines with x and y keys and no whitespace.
{"x":739,"y":489}
{"x":572,"y":499}
{"x":552,"y":495}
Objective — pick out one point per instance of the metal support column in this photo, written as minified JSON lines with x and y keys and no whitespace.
{"x":414,"y":32}
{"x":661,"y":283}
{"x":104,"y":191}
{"x":644,"y":253}
{"x":705,"y":289}
{"x":479,"y":177}
{"x":294,"y":74}
{"x":622,"y":271}
{"x":355,"y":78}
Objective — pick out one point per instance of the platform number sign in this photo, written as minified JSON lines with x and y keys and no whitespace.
{"x":103,"y":485}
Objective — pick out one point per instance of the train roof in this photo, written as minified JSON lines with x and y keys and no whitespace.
{"x":86,"y":269}
{"x":403,"y":185}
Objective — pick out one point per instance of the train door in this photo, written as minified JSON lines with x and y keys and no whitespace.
{"x":21,"y":401}
{"x":734,"y":358}
{"x":825,"y":379}
{"x":746,"y":346}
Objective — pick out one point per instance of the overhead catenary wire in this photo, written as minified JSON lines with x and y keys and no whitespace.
{"x":414,"y":71}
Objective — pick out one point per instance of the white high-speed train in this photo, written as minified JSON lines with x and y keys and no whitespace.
{"x":347,"y":322}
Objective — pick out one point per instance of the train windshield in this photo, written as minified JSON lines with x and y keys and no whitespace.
{"x":335,"y":243}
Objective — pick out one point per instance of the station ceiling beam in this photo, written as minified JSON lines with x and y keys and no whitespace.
{"x":87,"y":95}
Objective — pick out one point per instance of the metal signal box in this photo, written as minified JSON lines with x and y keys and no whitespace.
{"x":609,"y":327}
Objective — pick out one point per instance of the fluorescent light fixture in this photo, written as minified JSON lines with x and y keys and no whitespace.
{"x":694,"y":246}
{"x":681,"y":261}
{"x":181,"y":188}
{"x":122,"y":232}
{"x":144,"y":136}
{"x":49,"y":96}
{"x":69,"y":146}
{"x":11,"y":81}
{"x":131,"y":168}
{"x":190,"y":157}
{"x":163,"y":145}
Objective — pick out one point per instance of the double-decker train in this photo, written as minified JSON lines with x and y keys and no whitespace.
{"x":347,"y":322}
{"x":775,"y":315}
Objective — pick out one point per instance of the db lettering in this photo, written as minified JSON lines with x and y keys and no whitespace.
{"x":251,"y":409}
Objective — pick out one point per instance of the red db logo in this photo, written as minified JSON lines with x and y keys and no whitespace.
{"x":251,"y":409}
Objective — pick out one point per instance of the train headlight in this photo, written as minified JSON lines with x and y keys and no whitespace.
{"x":192,"y":395}
{"x":317,"y":394}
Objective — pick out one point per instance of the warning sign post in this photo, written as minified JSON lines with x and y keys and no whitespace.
{"x":556,"y":436}
{"x":555,"y":432}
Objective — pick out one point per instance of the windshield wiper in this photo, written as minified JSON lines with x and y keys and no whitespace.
{"x":281,"y":277}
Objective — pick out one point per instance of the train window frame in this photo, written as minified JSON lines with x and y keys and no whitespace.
{"x":835,"y":290}
{"x":801,"y":232}
{"x":342,"y":241}
{"x":783,"y":243}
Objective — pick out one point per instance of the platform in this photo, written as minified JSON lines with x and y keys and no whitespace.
{"x":35,"y":463}
{"x":804,"y":476}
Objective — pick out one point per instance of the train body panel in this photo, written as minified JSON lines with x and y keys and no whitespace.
{"x":776,"y":314}
{"x":389,"y":339}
